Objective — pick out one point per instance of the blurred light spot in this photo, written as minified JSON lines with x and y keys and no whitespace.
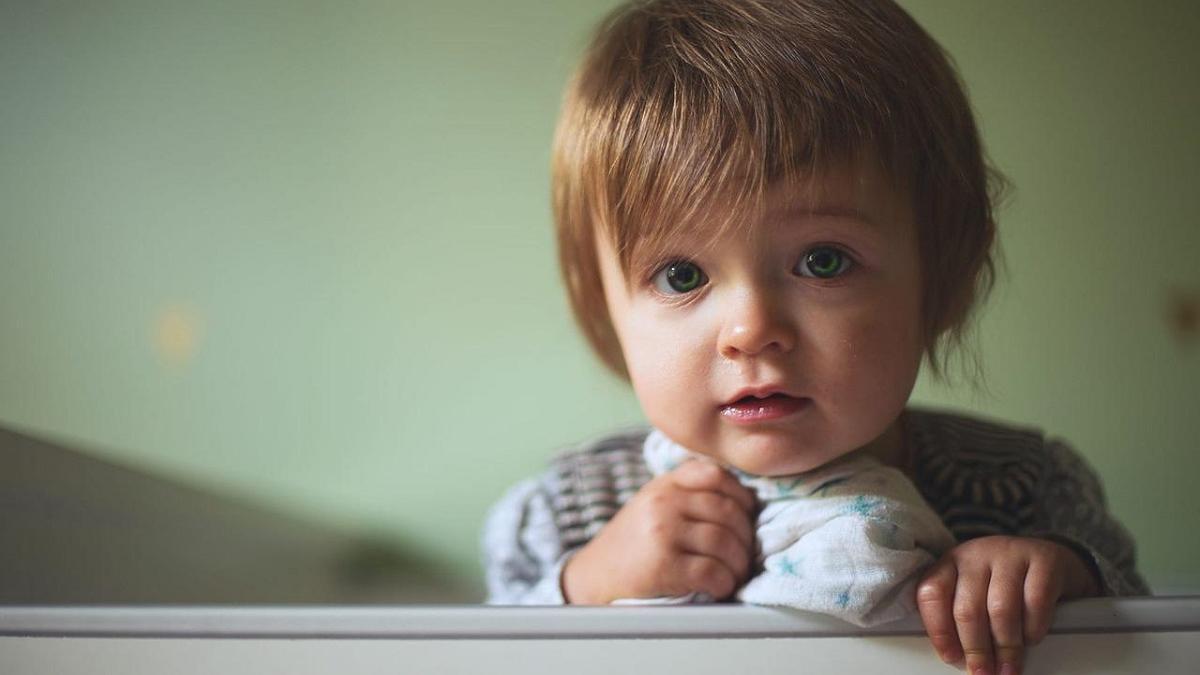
{"x":1183,"y":315}
{"x":176,"y":335}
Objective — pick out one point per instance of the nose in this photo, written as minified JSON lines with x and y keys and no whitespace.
{"x":756,"y":322}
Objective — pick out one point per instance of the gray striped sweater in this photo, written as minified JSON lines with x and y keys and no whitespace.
{"x":982,"y":477}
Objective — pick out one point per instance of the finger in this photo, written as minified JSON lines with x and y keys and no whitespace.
{"x":971,"y":619}
{"x":1005,"y":610}
{"x":1042,"y":589}
{"x":706,"y":575}
{"x":704,"y":475}
{"x":716,"y":541}
{"x":718,"y":508}
{"x":935,"y":594}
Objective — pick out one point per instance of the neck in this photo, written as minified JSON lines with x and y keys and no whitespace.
{"x":891,"y":447}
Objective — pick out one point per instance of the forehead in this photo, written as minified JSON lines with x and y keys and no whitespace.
{"x":860,"y":197}
{"x":861,"y":192}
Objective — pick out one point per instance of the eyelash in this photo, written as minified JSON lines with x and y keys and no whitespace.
{"x":849,"y":263}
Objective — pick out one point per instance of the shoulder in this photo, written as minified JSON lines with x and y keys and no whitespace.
{"x":990,"y":477}
{"x":934,"y":430}
{"x":942,"y":438}
{"x":616,"y":453}
{"x":945,"y":443}
{"x":984,"y":476}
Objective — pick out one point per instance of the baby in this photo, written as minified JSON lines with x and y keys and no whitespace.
{"x":768,"y":215}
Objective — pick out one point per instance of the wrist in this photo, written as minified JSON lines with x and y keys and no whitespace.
{"x":1081,"y":578}
{"x":574,"y":582}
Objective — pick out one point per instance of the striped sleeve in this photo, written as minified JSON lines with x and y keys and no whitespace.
{"x":1073,"y":511}
{"x":522,"y":552}
{"x":979,"y":476}
{"x":988,"y":478}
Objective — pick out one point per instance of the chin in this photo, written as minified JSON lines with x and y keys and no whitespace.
{"x":773,"y":457}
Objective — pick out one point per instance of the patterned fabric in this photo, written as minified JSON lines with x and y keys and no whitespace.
{"x":983,"y":478}
{"x":848,"y":539}
{"x":594,"y":481}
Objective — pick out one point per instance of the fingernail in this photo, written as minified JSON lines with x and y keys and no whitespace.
{"x":981,"y":670}
{"x":1007,"y":669}
{"x":951,"y":656}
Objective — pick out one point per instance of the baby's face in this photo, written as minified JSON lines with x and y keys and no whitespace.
{"x":783,"y":347}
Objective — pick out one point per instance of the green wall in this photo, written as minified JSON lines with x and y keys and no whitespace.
{"x":302,"y":251}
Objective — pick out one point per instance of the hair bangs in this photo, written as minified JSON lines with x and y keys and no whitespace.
{"x":693,"y":150}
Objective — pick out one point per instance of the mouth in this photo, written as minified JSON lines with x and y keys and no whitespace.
{"x":763,"y":406}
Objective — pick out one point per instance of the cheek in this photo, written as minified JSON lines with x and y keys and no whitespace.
{"x":871,"y":355}
{"x":885,"y":352}
{"x":665,"y":363}
{"x":648,"y":351}
{"x":892,"y":349}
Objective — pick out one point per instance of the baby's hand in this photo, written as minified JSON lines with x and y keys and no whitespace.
{"x":989,"y":597}
{"x":687,"y":530}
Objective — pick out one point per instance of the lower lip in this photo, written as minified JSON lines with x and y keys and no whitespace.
{"x":767,"y":409}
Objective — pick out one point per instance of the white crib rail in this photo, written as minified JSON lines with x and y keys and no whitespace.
{"x":1131,"y":635}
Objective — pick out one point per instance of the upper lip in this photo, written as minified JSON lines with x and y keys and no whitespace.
{"x":761,"y":391}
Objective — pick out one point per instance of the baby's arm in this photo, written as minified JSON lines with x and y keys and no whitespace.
{"x":686,"y":531}
{"x":1074,"y":512}
{"x":522,"y":549}
{"x":989,"y":597}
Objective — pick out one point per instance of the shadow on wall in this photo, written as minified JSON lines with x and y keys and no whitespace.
{"x":78,"y":530}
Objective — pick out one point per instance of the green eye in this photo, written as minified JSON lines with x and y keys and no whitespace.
{"x":679,"y":277}
{"x":823,"y":262}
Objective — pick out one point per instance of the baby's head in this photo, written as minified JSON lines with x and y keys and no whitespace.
{"x":767,"y":214}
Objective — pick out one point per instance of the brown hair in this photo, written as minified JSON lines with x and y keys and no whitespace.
{"x":688,"y":107}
